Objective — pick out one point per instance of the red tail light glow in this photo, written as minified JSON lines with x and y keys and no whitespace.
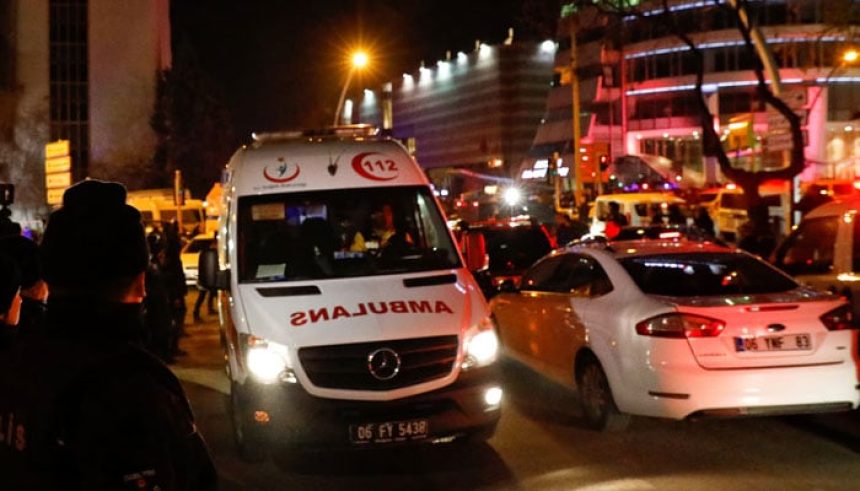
{"x":678,"y":325}
{"x":839,"y":319}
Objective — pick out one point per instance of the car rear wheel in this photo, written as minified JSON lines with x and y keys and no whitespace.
{"x":598,"y":405}
{"x":248,"y":435}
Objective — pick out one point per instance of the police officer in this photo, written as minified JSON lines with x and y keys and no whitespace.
{"x":34,"y":291}
{"x":10,"y":300}
{"x":82,"y":406}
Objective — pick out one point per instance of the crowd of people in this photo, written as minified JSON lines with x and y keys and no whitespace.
{"x":84,"y":403}
{"x":164,"y":306}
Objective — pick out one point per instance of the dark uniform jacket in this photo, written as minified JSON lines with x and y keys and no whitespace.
{"x":81,"y":407}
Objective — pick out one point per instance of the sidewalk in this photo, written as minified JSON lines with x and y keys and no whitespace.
{"x":204,"y":362}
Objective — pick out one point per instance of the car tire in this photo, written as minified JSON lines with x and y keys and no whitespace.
{"x":250,"y":439}
{"x":595,"y":396}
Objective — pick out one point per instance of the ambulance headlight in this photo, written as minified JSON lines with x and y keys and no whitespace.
{"x":482,"y":345}
{"x":268,"y":362}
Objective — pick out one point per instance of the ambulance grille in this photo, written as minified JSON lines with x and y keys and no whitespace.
{"x":345,"y":366}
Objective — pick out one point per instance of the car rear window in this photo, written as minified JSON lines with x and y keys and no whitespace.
{"x":809,"y":249}
{"x":738,"y":202}
{"x":705,"y":274}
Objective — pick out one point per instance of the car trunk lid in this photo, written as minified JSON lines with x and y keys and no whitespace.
{"x":772,"y":330}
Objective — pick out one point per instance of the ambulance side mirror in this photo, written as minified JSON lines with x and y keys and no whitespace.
{"x":211,"y":276}
{"x":507,"y":286}
{"x":475,"y":251}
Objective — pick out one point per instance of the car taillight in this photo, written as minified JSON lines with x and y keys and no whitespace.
{"x":677,"y":325}
{"x":839,"y":319}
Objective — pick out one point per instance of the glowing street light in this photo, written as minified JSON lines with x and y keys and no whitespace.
{"x":358,"y":62}
{"x":850,"y":56}
{"x":359,"y":59}
{"x":512,"y":196}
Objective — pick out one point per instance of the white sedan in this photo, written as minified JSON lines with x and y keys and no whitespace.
{"x":678,"y":329}
{"x":190,"y":255}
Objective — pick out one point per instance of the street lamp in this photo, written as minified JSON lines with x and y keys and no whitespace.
{"x":850,"y":56}
{"x":359,"y":61}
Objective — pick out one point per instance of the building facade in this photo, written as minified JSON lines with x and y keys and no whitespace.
{"x":637,"y":93}
{"x":84,"y":71}
{"x":472,"y":115}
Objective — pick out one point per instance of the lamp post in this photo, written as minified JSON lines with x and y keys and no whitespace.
{"x":359,"y":61}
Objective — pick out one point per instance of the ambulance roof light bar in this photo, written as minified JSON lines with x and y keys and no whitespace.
{"x":363,"y":131}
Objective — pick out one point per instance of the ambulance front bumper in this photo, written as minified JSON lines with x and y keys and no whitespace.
{"x":468,"y":408}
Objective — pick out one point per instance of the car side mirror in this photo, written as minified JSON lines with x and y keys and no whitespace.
{"x":210,"y":274}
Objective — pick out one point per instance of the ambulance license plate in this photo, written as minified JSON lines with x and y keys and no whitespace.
{"x":389,"y":431}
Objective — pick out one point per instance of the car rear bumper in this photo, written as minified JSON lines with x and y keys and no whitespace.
{"x":300,"y":420}
{"x":681,"y":393}
{"x":190,"y":277}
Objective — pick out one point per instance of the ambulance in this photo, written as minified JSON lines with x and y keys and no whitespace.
{"x":347,"y":315}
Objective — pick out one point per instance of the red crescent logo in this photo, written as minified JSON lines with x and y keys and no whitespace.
{"x":281,"y":180}
{"x":357,"y":162}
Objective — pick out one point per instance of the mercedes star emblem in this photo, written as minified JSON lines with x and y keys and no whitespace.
{"x":383,"y":364}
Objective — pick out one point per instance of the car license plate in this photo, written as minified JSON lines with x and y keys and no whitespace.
{"x":785,"y":342}
{"x":389,"y":432}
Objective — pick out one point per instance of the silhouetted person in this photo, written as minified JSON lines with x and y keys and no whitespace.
{"x":657,"y":216}
{"x":615,"y":221}
{"x":174,"y":283}
{"x":10,"y":300}
{"x":757,"y":238}
{"x":84,"y":406}
{"x":34,"y":291}
{"x":7,"y":226}
{"x":157,"y":318}
{"x":675,"y":216}
{"x":703,"y":221}
{"x":564,"y":231}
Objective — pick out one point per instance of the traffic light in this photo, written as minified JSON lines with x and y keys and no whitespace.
{"x":603,"y":161}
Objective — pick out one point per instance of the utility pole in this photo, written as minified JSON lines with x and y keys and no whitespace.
{"x":790,"y":198}
{"x":623,"y":74}
{"x":575,"y":176}
{"x":387,"y":109}
{"x":178,"y":198}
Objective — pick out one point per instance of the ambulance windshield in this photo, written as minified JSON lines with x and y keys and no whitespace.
{"x":342,"y":233}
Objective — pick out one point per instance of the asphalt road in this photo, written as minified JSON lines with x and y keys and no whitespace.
{"x":541,"y":444}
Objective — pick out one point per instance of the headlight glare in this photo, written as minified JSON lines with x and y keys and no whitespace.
{"x":482,"y":346}
{"x":268,"y":362}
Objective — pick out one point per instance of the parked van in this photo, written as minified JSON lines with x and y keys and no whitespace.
{"x":824,"y":250}
{"x":348,"y":317}
{"x":193,"y":217}
{"x":635,"y":206}
{"x":157,"y":207}
{"x":728,"y":208}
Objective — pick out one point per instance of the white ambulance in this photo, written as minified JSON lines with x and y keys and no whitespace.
{"x":348,"y":317}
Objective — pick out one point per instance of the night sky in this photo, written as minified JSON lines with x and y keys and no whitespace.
{"x":280,"y":64}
